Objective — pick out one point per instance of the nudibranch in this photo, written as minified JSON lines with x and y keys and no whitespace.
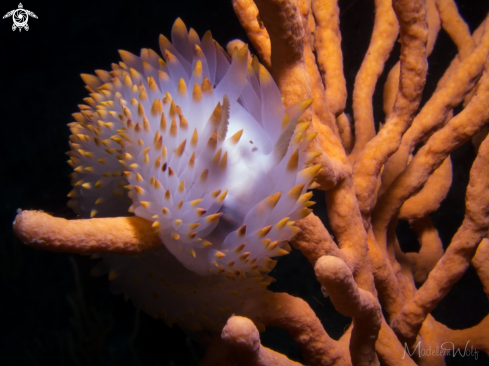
{"x":199,"y":143}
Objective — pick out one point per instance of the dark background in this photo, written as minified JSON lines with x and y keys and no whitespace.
{"x":52,"y":312}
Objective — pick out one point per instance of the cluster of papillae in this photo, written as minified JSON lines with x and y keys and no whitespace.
{"x":177,"y":133}
{"x":370,"y":180}
{"x":208,"y":154}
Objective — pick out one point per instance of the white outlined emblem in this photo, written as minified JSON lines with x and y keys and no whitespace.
{"x":20,"y":17}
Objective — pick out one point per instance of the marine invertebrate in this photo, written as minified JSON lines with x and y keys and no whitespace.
{"x":368,"y":260}
{"x":179,"y":133}
{"x":176,"y":134}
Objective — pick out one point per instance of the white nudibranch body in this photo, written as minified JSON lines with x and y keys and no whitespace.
{"x":204,"y":146}
{"x":206,"y":152}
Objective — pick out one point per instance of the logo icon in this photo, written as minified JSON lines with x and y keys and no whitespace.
{"x":20,"y":17}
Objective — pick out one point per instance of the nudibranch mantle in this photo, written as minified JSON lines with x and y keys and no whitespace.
{"x":205,"y":148}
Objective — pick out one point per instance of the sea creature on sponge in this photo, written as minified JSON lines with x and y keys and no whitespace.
{"x":197,"y":143}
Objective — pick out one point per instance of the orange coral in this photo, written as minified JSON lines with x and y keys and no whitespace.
{"x":385,"y":178}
